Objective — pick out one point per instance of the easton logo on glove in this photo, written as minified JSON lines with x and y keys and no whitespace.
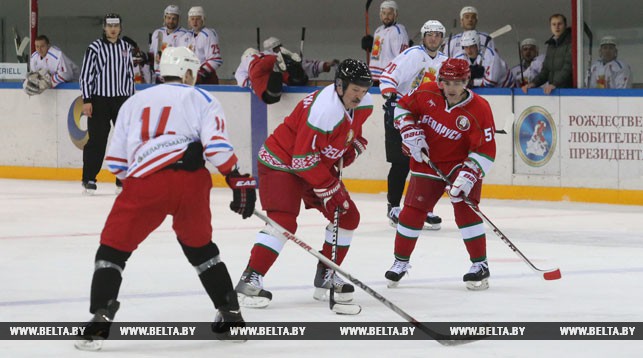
{"x":244,"y":195}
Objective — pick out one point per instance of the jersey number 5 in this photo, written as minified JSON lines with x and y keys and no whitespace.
{"x":488,"y":134}
{"x":146,"y":132}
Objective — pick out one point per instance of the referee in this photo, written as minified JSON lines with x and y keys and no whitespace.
{"x":106,"y":81}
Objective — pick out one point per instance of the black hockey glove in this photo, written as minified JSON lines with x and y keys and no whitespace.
{"x":367,"y":43}
{"x":389,"y":110}
{"x":477,"y":71}
{"x":243,"y":193}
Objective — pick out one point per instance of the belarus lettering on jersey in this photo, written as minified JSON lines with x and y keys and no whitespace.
{"x":453,"y":48}
{"x":410,"y":69}
{"x":614,"y":74}
{"x":59,"y":66}
{"x":388,"y":42}
{"x":155,"y":126}
{"x":205,"y":44}
{"x":528,"y":73}
{"x":160,"y":36}
{"x":453,"y":134}
{"x":496,"y":71}
{"x":315,"y":135}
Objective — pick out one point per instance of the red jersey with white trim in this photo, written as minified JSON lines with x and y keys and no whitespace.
{"x":454,"y":134}
{"x":388,"y":42}
{"x":314,"y":136}
{"x":59,"y":66}
{"x":410,"y":69}
{"x":205,"y":45}
{"x":155,"y":126}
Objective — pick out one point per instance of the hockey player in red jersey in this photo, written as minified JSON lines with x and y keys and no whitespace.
{"x":161,"y":138}
{"x":298,"y":162}
{"x":455,"y":128}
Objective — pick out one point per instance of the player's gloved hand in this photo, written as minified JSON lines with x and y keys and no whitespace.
{"x":389,"y":110}
{"x":367,"y":43}
{"x":354,"y":150}
{"x":477,"y":71}
{"x":334,"y":197}
{"x":243,"y":193}
{"x":202,"y":75}
{"x":414,"y":142}
{"x":467,"y":178}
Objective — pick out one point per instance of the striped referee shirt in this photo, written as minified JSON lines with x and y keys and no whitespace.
{"x":107,"y":70}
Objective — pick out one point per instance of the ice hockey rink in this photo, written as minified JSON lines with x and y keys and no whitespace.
{"x":49,"y":233}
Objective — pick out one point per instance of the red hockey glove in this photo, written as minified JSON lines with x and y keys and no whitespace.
{"x":414,"y":142}
{"x":354,"y":150}
{"x":467,"y":178}
{"x":334,"y":197}
{"x":243,"y":193}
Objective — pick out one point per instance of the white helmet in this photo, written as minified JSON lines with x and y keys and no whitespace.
{"x":172,"y":10}
{"x":468,"y":10}
{"x":250,"y":51}
{"x":270,"y":43}
{"x":433,"y":26}
{"x":197,"y":11}
{"x":529,"y":42}
{"x":470,"y":38}
{"x":175,"y":61}
{"x":388,"y":4}
{"x":608,"y":40}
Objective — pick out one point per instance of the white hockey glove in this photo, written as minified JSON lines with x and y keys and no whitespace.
{"x":37,"y":82}
{"x":467,"y":177}
{"x":414,"y":142}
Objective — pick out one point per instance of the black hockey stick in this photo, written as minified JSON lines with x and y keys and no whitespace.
{"x":444,"y":339}
{"x":590,"y":36}
{"x":368,"y":54}
{"x":301,"y":44}
{"x":258,"y":39}
{"x":551,"y":274}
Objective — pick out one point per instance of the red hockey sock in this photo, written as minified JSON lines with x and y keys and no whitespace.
{"x":477,"y":248}
{"x":341,"y":252}
{"x":408,"y":230}
{"x":261,"y":259}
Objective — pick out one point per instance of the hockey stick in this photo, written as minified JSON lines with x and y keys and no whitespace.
{"x":444,"y":339}
{"x":301,"y":44}
{"x":368,"y":53}
{"x":590,"y":36}
{"x":501,"y":31}
{"x":21,"y":45}
{"x":551,"y":274}
{"x":258,"y":39}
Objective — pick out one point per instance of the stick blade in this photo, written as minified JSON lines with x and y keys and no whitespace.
{"x":552,"y":275}
{"x":501,"y":31}
{"x":346,"y":309}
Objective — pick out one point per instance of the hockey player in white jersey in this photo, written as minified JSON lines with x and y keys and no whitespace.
{"x":468,"y":21}
{"x":411,"y":68}
{"x":158,"y":148}
{"x":48,"y":67}
{"x":170,"y":35}
{"x":608,"y":72}
{"x":531,"y":63}
{"x":204,"y":42}
{"x":388,"y":41}
{"x":487,"y":68}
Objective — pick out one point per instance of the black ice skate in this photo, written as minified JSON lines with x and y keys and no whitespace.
{"x":393,"y":215}
{"x":433,"y":222}
{"x":396,"y":272}
{"x":250,"y":290}
{"x":477,"y":278}
{"x":97,"y":329}
{"x":343,"y":290}
{"x":228,"y":317}
{"x":89,"y":187}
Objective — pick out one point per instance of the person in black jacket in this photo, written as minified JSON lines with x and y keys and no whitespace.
{"x":557,"y":67}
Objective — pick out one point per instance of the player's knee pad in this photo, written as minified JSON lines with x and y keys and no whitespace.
{"x":202,"y":258}
{"x":110,"y":258}
{"x":412,"y":216}
{"x":464,"y":215}
{"x":285,"y":219}
{"x":350,"y":219}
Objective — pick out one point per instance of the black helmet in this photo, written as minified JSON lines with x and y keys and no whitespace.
{"x":112,"y":16}
{"x":353,"y":71}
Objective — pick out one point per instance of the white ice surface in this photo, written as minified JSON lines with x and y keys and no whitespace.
{"x":49,"y":234}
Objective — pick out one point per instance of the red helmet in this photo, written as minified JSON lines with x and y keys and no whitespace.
{"x":454,"y":69}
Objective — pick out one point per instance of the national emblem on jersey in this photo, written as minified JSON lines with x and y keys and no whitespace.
{"x":349,"y":137}
{"x":377,"y":48}
{"x":463,"y":123}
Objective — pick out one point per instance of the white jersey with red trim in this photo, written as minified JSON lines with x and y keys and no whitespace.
{"x":155,"y":126}
{"x":388,"y":42}
{"x":59,"y":66}
{"x":528,"y":73}
{"x":496,"y":71}
{"x":453,"y":48}
{"x":205,"y":44}
{"x":172,"y":39}
{"x":410,"y":69}
{"x":614,"y":74}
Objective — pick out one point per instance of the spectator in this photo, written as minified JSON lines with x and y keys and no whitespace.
{"x":530,"y":63}
{"x":557,"y":66}
{"x":170,"y":35}
{"x":608,"y":72}
{"x":49,"y":67}
{"x":205,"y":44}
{"x":389,"y":40}
{"x":106,"y":81}
{"x":142,"y":72}
{"x":468,"y":22}
{"x":487,"y":68}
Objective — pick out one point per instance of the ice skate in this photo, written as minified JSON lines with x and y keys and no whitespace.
{"x":288,"y":55}
{"x":396,"y":272}
{"x":477,"y":279}
{"x":343,"y":290}
{"x":89,"y":187}
{"x":250,"y":290}
{"x":393,"y":215}
{"x":280,"y":62}
{"x":432,"y":222}
{"x":96,"y":331}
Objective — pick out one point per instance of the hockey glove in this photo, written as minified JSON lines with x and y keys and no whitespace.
{"x":367,"y":43}
{"x":333,"y":197}
{"x":354,"y":150}
{"x":462,"y":185}
{"x":389,"y":110}
{"x":243,"y":193}
{"x":414,"y":142}
{"x":477,"y":71}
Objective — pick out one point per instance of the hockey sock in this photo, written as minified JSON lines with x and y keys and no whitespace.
{"x":408,"y":230}
{"x":396,"y":181}
{"x":472,"y":231}
{"x":106,"y":282}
